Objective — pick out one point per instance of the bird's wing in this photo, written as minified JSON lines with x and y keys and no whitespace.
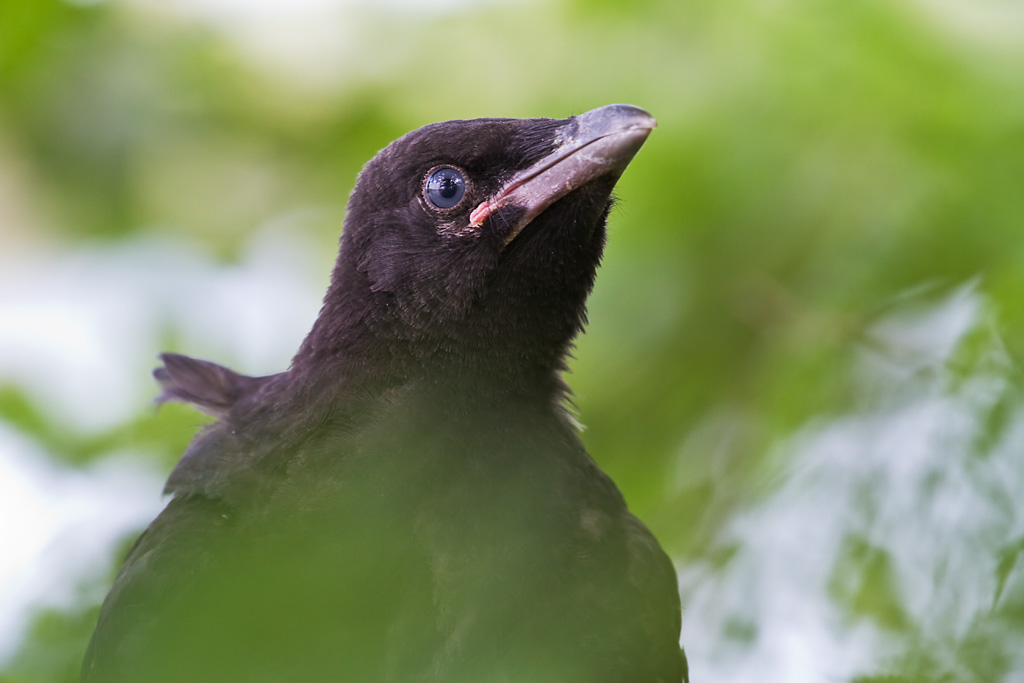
{"x":266,"y":584}
{"x":135,"y":610}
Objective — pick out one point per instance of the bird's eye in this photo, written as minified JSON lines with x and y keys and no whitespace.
{"x":445,"y":187}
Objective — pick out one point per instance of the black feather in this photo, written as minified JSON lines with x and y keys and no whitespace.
{"x":212,"y":388}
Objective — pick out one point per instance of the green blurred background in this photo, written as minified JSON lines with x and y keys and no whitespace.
{"x":802,"y":366}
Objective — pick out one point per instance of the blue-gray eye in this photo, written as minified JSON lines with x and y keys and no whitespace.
{"x":445,"y":187}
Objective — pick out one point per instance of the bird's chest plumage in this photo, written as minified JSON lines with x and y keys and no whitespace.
{"x":474,"y":534}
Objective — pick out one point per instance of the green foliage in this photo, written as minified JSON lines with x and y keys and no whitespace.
{"x":54,"y":647}
{"x":814,"y":162}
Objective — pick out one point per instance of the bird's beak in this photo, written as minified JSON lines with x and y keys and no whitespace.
{"x":600,"y":142}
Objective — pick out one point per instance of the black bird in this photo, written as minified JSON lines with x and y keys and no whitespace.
{"x":410,"y":501}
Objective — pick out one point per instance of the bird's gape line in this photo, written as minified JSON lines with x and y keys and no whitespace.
{"x":504,"y":195}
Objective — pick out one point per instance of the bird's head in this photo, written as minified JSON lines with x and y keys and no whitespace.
{"x":475,"y":243}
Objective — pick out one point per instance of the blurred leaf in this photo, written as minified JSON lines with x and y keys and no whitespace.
{"x":864,"y":583}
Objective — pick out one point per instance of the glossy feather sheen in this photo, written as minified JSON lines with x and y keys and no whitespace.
{"x":409,"y":501}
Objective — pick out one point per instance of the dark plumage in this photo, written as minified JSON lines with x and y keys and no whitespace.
{"x":410,"y":501}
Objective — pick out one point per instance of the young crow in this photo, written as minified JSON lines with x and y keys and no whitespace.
{"x":410,"y":500}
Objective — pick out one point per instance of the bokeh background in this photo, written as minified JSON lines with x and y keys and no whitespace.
{"x":803,"y":365}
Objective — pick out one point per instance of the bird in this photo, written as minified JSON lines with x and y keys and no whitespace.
{"x":410,"y":500}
